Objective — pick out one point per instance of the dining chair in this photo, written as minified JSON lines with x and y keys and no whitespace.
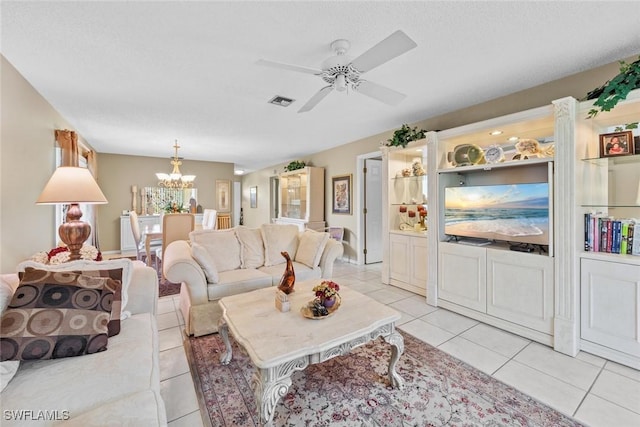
{"x":210,"y":219}
{"x":224,"y":221}
{"x":175,"y":227}
{"x":141,"y":252}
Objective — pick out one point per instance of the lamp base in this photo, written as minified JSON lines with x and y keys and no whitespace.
{"x":74,"y":232}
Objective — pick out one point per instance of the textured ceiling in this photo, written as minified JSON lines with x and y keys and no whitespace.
{"x":133,"y":76}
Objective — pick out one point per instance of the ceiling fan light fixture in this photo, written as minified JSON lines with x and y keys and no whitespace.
{"x":341,"y":83}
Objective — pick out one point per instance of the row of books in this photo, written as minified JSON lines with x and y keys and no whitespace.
{"x":607,"y":234}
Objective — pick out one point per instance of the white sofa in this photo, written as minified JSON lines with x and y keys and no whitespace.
{"x":219,"y":263}
{"x":116,"y":387}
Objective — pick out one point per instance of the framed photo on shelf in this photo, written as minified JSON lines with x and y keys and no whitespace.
{"x":223,"y":195}
{"x":616,"y":144}
{"x":253,"y":196}
{"x":341,"y":194}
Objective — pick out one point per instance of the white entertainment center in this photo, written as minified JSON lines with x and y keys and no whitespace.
{"x":556,"y":294}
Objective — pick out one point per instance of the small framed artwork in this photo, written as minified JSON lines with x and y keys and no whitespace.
{"x":253,"y":196}
{"x":223,"y":195}
{"x":616,"y":144}
{"x":341,"y":194}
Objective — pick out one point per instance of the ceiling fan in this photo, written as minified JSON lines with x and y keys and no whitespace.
{"x":342,"y":72}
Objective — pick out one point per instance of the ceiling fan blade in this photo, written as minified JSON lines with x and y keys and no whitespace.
{"x":289,"y":67}
{"x":315,"y":99}
{"x":381,"y":93}
{"x":394,"y":45}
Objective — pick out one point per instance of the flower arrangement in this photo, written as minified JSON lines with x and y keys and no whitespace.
{"x":61,"y":254}
{"x":326,"y":289}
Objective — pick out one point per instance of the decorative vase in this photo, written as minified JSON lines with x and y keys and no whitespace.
{"x":329,"y":302}
{"x":288,"y":277}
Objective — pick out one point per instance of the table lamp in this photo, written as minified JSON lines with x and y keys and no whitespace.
{"x":72,"y":185}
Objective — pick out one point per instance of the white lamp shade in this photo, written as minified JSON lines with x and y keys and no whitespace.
{"x":70,"y":184}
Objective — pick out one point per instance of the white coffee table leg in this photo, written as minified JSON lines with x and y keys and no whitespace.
{"x":397,"y":348}
{"x":223,"y":330}
{"x":269,"y":392}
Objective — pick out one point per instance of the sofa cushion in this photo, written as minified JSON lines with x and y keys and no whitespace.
{"x":302,"y":272}
{"x":205,"y":261}
{"x":279,"y":238}
{"x":234,"y":282}
{"x":118,"y":269}
{"x":81,"y":384}
{"x":310,"y":247}
{"x":114,"y":273}
{"x":251,"y":247}
{"x":222,"y":245}
{"x":57,"y":314}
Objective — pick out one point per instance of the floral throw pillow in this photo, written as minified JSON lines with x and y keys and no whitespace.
{"x":57,"y":314}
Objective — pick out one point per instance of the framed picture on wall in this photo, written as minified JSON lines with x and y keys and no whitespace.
{"x":341,"y":194}
{"x":253,"y":196}
{"x":223,"y":195}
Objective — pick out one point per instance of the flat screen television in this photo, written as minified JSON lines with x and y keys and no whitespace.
{"x":516,"y":213}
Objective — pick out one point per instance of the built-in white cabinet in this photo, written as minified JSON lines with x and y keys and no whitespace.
{"x":508,"y":289}
{"x":302,"y":198}
{"x":462,"y":276}
{"x":555,"y":292}
{"x":408,"y":261}
{"x":405,"y":261}
{"x":520,"y":289}
{"x":610,"y":320}
{"x":610,"y":187}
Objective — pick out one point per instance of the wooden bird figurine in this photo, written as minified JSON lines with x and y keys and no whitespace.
{"x":289,"y":277}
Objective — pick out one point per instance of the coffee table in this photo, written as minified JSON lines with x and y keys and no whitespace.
{"x":281,"y":343}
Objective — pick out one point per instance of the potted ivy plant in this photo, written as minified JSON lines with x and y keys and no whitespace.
{"x":401,"y":137}
{"x":615,"y":90}
{"x":295,"y":165}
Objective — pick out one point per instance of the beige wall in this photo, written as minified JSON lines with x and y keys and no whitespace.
{"x":27,"y":159}
{"x":117,"y":173}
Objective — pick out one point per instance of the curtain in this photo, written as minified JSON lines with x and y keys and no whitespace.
{"x":92,"y":212}
{"x":68,"y":142}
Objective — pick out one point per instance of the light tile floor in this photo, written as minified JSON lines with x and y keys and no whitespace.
{"x":595,"y":391}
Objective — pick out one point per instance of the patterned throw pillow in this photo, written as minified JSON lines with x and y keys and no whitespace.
{"x":117,"y":269}
{"x":57,"y":314}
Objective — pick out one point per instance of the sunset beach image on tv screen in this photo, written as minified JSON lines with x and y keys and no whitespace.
{"x":507,"y":212}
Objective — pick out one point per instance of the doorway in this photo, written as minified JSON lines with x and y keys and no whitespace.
{"x":370,"y":216}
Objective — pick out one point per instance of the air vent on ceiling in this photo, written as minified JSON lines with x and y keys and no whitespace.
{"x":281,"y":101}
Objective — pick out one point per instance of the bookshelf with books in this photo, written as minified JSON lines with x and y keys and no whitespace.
{"x":607,"y":233}
{"x":611,"y":235}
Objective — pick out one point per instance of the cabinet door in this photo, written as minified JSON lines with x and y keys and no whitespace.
{"x":609,"y":298}
{"x":399,"y":258}
{"x":419,"y":262}
{"x":520,"y":289}
{"x":462,"y":275}
{"x":127,"y":243}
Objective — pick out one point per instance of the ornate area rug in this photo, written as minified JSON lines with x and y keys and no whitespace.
{"x":353,"y":390}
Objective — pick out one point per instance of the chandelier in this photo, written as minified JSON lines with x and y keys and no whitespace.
{"x":175,"y":179}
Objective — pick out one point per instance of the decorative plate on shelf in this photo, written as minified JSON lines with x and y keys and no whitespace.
{"x":308,"y":312}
